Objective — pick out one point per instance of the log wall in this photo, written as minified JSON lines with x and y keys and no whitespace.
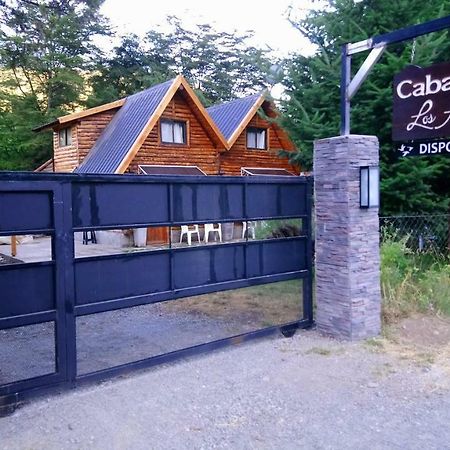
{"x":84,"y":134}
{"x":239,"y":156}
{"x":200,"y":150}
{"x":65,"y":158}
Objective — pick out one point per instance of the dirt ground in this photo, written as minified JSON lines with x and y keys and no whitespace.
{"x":422,"y":339}
{"x":122,"y":336}
{"x":308,"y":391}
{"x":423,"y":331}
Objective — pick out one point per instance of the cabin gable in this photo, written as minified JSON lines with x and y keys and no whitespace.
{"x":197,"y":149}
{"x":244,"y":154}
{"x":83,"y":134}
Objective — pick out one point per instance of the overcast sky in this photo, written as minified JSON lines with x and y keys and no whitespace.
{"x":266,"y":18}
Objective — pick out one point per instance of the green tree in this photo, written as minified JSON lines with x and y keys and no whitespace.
{"x":312,"y":110}
{"x":46,"y":47}
{"x":20,"y":147}
{"x":219,"y":65}
{"x":132,"y":67}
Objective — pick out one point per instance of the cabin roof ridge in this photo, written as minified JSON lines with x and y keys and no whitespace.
{"x":127,"y":129}
{"x":126,"y":132}
{"x":67,"y":118}
{"x":149,"y":89}
{"x":256,"y":95}
{"x":232,"y":117}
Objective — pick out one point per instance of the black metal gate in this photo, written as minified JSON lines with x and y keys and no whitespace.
{"x":62,"y":290}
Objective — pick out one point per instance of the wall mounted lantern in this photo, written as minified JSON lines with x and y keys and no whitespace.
{"x":369,"y":186}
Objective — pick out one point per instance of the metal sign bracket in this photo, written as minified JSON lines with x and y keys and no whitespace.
{"x":350,"y":86}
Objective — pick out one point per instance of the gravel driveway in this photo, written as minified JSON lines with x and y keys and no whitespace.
{"x":304,"y":392}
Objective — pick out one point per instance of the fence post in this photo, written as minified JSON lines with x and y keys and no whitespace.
{"x":347,"y":239}
{"x":65,"y":276}
{"x":307,"y":230}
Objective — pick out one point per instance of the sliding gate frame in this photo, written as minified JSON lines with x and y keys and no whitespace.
{"x":65,"y":288}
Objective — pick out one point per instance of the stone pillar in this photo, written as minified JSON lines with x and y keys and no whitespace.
{"x":347,"y":240}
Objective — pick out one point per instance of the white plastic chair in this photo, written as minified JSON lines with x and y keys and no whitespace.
{"x":210,"y":227}
{"x":189,"y":230}
{"x":249,"y":228}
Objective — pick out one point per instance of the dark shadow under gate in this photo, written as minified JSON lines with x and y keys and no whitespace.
{"x":57,"y":310}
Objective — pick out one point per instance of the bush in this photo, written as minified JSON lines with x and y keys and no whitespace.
{"x":412,"y":281}
{"x":267,"y":229}
{"x":285,"y":231}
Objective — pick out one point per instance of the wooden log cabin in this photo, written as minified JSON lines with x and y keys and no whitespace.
{"x":166,"y":130}
{"x":163,"y":125}
{"x":166,"y":125}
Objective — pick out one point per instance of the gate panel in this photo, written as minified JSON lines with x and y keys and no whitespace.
{"x":68,"y":289}
{"x":32,"y":295}
{"x":26,"y":289}
{"x":119,"y":204}
{"x":24,"y":211}
{"x":202,"y":267}
{"x":276,"y":257}
{"x":207,"y":202}
{"x":121,"y":276}
{"x":264,"y":200}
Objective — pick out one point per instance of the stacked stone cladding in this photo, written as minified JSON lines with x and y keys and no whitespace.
{"x":347,"y":239}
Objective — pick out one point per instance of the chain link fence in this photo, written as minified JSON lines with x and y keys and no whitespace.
{"x":427,"y":233}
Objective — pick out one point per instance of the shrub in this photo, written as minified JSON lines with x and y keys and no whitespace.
{"x":267,"y":229}
{"x":412,"y":281}
{"x":287,"y":230}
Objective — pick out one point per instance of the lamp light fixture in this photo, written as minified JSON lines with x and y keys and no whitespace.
{"x":369,"y":187}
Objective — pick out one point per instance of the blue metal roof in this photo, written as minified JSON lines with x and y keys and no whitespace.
{"x":123,"y":130}
{"x":228,"y":116}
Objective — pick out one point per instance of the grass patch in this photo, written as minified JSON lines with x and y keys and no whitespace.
{"x":412,"y":282}
{"x":374,"y":343}
{"x":319,"y":351}
{"x":265,"y":305}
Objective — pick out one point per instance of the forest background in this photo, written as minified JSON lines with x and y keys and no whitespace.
{"x":51,"y":64}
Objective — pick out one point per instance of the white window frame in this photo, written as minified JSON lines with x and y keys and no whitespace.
{"x":255,"y":131}
{"x":172,"y":123}
{"x":65,"y":137}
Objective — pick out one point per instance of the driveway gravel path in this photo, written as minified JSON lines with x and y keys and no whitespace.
{"x":304,"y":392}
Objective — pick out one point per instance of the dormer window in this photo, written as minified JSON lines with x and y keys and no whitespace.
{"x":173,"y":132}
{"x":256,"y":138}
{"x":65,"y":137}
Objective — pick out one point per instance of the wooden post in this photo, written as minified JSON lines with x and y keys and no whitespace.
{"x":13,"y":246}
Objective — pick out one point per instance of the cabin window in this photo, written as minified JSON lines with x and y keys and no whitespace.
{"x":173,"y":132}
{"x":65,"y":137}
{"x":257,"y":138}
